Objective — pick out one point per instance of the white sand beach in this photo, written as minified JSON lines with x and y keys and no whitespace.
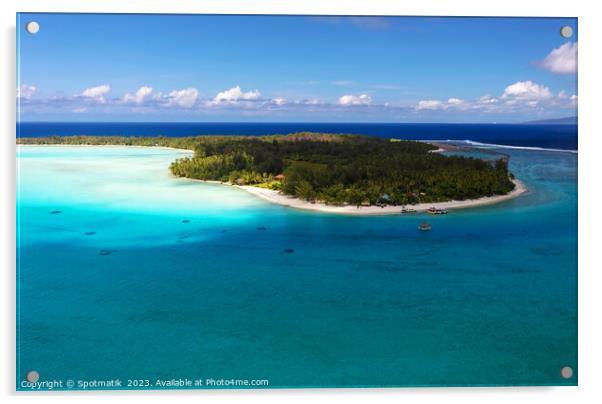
{"x":108,"y":146}
{"x":279,"y":198}
{"x":286,"y":200}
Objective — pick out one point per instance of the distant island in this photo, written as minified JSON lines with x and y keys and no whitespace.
{"x":316,"y":170}
{"x":570,"y":120}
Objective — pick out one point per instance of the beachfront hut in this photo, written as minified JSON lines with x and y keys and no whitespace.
{"x":279,"y":177}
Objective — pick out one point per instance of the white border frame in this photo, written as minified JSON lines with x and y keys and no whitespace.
{"x":590,"y":134}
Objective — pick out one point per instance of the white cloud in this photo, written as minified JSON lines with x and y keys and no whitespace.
{"x":437,"y":104}
{"x":518,"y":98}
{"x":455,"y":101}
{"x":235,"y":94}
{"x":562,"y":60}
{"x":184,"y":98}
{"x":97,"y":93}
{"x":429,"y":104}
{"x":279,"y":101}
{"x":25,"y":91}
{"x":141,"y":95}
{"x":363,"y":99}
{"x":526,"y":90}
{"x":487,"y":99}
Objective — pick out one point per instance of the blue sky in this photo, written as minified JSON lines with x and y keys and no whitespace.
{"x":82,"y":67}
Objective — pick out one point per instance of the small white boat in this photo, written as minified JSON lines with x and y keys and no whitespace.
{"x":436,"y":211}
{"x":407,"y":210}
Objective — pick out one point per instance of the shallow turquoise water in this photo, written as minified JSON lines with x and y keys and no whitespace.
{"x":487,"y":297}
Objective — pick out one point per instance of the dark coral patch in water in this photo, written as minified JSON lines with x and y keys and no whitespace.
{"x":106,"y":252}
{"x":56,"y":212}
{"x":89,"y":233}
{"x":185,"y":221}
{"x":261,"y":228}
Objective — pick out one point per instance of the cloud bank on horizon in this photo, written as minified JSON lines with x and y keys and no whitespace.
{"x":318,"y":98}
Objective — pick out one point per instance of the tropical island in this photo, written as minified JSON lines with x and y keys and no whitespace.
{"x":328,"y":172}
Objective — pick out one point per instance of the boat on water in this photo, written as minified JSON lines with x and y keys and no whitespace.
{"x":436,"y":211}
{"x":424,"y":226}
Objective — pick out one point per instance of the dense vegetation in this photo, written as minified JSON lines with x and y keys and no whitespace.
{"x":334,"y":169}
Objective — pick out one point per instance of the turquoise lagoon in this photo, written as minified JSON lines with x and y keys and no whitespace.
{"x":125,"y":272}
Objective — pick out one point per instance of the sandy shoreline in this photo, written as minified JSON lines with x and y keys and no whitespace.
{"x":102,"y":145}
{"x":289,"y":201}
{"x":285,"y":200}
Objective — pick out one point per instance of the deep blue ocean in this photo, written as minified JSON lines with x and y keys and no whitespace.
{"x":126,"y":272}
{"x":529,"y":135}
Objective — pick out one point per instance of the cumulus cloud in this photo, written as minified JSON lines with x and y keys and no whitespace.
{"x":562,"y":60}
{"x":97,"y":93}
{"x":146,"y":97}
{"x":141,"y":95}
{"x":455,"y":101}
{"x":185,"y":98}
{"x":437,"y":104}
{"x":516,"y":97}
{"x":235,"y":94}
{"x":25,"y":91}
{"x":526,"y":90}
{"x":279,"y":101}
{"x":349,"y":99}
{"x":429,"y":104}
{"x":487,"y":99}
